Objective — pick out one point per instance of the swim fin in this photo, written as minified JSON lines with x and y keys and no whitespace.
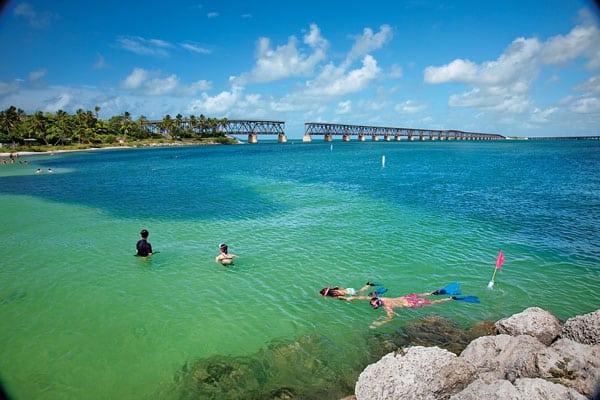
{"x":468,"y":299}
{"x":374,"y":284}
{"x":380,"y":291}
{"x":452,"y":290}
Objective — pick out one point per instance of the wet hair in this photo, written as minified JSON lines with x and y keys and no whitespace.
{"x":144,"y":233}
{"x":375,"y":302}
{"x":331,"y":291}
{"x":223,"y":248}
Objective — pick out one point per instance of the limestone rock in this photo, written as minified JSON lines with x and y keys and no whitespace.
{"x":418,"y":373}
{"x":535,"y":322}
{"x":523,"y":389}
{"x":583,"y":328}
{"x":572,"y":364}
{"x":503,"y":356}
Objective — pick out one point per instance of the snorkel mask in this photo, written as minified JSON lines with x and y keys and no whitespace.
{"x":376,"y":302}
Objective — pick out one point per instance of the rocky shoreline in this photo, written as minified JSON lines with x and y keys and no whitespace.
{"x":531,"y":355}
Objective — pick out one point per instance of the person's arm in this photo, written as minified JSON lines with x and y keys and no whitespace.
{"x":354,"y":298}
{"x":149,"y":249}
{"x":390,"y":315}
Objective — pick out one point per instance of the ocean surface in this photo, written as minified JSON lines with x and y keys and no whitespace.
{"x":82,"y":318}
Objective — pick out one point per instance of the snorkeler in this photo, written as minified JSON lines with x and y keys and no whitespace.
{"x":225,"y":258}
{"x":343,"y":293}
{"x":409,"y":301}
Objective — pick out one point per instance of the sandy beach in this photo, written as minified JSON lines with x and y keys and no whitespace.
{"x":41,"y":153}
{"x":52,"y":152}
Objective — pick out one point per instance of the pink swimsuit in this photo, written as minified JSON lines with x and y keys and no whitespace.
{"x":415,"y":301}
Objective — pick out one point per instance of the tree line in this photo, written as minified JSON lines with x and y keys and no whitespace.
{"x":86,"y":128}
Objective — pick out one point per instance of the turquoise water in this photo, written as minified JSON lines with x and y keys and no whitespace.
{"x":84,"y":319}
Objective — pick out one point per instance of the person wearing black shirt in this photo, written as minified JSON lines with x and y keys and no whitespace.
{"x":144,"y":248}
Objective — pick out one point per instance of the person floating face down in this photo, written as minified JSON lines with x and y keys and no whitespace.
{"x":343,"y":293}
{"x":389,"y":303}
{"x":225,"y":258}
{"x":144,"y":248}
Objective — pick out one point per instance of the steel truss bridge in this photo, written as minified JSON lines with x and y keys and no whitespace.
{"x":253,"y":128}
{"x":389,"y":133}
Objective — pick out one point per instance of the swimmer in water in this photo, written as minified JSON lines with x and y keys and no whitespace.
{"x":224,"y":258}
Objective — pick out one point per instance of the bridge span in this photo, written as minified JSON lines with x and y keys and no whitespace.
{"x":253,"y":128}
{"x":388,"y":133}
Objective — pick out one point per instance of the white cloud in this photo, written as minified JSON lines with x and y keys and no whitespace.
{"x":591,"y":85}
{"x":518,"y":62}
{"x":152,"y":84}
{"x":410,"y":107}
{"x":37,"y":75}
{"x":586,"y":105}
{"x":369,"y":41}
{"x":344,"y":107}
{"x":335,"y":82}
{"x":195,"y":48}
{"x":212,"y":15}
{"x":135,"y":79}
{"x":144,"y":47}
{"x":287,"y":60}
{"x":582,"y":41}
{"x":505,"y":84}
{"x":60,"y":103}
{"x":216,"y":105}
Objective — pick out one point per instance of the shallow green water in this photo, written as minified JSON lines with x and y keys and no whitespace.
{"x":83,"y":318}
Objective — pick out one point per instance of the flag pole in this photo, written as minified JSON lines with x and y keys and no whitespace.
{"x":499,"y":262}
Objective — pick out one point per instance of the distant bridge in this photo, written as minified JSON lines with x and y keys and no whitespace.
{"x":563,"y":138}
{"x":253,"y":128}
{"x":388,"y":133}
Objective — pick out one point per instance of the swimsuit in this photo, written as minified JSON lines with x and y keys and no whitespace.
{"x":415,"y":301}
{"x":350,"y":291}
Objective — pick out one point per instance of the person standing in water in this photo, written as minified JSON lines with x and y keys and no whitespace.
{"x":144,"y":248}
{"x":225,"y":258}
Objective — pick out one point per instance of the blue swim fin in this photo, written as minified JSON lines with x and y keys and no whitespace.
{"x":468,"y":299}
{"x":374,"y":284}
{"x":380,"y":291}
{"x":451,"y":290}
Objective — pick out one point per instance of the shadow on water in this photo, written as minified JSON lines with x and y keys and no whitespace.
{"x":311,"y":367}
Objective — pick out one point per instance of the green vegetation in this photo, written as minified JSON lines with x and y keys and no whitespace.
{"x":42,"y":131}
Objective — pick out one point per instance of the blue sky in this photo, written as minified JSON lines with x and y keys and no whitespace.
{"x":524,"y":67}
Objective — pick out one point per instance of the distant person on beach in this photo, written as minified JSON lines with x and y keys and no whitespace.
{"x":225,"y":258}
{"x":144,"y":248}
{"x":343,"y":293}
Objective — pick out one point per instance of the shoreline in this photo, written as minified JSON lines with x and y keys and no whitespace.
{"x":148,"y":145}
{"x":52,"y":152}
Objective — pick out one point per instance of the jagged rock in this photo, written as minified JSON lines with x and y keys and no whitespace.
{"x":529,"y":365}
{"x":503,"y":356}
{"x":523,"y":389}
{"x":572,"y":364}
{"x":583,"y":328}
{"x":535,"y":322}
{"x":418,"y":373}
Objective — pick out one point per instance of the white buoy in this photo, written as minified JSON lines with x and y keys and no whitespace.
{"x":383,"y":161}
